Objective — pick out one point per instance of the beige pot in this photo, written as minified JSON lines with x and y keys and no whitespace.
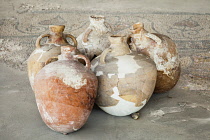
{"x":50,"y":49}
{"x":65,"y":91}
{"x":126,"y":79}
{"x":162,"y":50}
{"x":94,"y":40}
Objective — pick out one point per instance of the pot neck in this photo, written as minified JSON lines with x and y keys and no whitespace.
{"x":98,"y":23}
{"x":138,"y":28}
{"x":67,"y":53}
{"x":119,"y":45}
{"x":56,"y":35}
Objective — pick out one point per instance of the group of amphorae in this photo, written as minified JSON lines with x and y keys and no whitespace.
{"x":118,"y":73}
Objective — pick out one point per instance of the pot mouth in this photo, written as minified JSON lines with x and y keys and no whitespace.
{"x":117,"y":36}
{"x":57,"y":28}
{"x":67,"y":49}
{"x":56,"y":25}
{"x":97,"y":17}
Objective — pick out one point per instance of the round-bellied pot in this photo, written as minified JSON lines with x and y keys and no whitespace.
{"x":50,"y":49}
{"x":65,"y":91}
{"x":94,"y":40}
{"x":162,"y":50}
{"x":126,"y":79}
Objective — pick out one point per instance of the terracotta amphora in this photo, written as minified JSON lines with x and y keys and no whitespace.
{"x":94,"y":40}
{"x":65,"y":91}
{"x":51,"y":48}
{"x":163,"y":51}
{"x":126,"y":79}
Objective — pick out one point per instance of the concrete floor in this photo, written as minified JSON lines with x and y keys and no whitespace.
{"x":176,"y":115}
{"x":179,"y":114}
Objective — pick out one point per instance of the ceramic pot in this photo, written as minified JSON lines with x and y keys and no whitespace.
{"x":65,"y":92}
{"x":162,"y":50}
{"x":126,"y":79}
{"x":94,"y":40}
{"x":51,"y":48}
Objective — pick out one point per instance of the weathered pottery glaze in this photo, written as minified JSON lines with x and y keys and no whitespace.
{"x":51,"y":48}
{"x":94,"y":40}
{"x":162,"y":50}
{"x":65,"y":91}
{"x":126,"y":79}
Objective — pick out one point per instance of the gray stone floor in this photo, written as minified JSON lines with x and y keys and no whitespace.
{"x":180,"y":114}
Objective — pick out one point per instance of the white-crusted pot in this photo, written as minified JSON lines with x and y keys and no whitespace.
{"x":162,"y":50}
{"x":94,"y":40}
{"x":52,"y":48}
{"x":126,"y":79}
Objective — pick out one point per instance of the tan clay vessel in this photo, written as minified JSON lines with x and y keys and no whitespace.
{"x":65,"y":91}
{"x":162,"y":50}
{"x":94,"y":40}
{"x":51,"y":48}
{"x":126,"y":79}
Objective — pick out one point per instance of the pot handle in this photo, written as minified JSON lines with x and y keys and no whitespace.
{"x":133,"y":45}
{"x":107,"y":24}
{"x":103,"y":55}
{"x":50,"y":59}
{"x":38,"y":40}
{"x":154,"y":37}
{"x":73,"y":39}
{"x":86,"y":34}
{"x":87,"y":61}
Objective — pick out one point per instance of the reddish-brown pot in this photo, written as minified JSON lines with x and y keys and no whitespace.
{"x":65,"y":92}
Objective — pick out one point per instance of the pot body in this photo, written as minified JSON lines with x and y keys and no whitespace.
{"x":94,"y":40}
{"x":162,"y":50}
{"x":65,"y":92}
{"x":52,"y":48}
{"x":39,"y":57}
{"x":126,"y":81}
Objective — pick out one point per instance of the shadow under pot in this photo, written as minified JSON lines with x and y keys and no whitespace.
{"x":126,"y":79}
{"x":50,"y":49}
{"x":65,"y":91}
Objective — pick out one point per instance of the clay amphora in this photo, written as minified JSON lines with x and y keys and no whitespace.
{"x":126,"y":79}
{"x":65,"y":92}
{"x":162,"y":50}
{"x":51,"y":48}
{"x":94,"y":40}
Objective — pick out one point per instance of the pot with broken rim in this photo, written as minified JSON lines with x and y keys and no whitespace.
{"x":94,"y":40}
